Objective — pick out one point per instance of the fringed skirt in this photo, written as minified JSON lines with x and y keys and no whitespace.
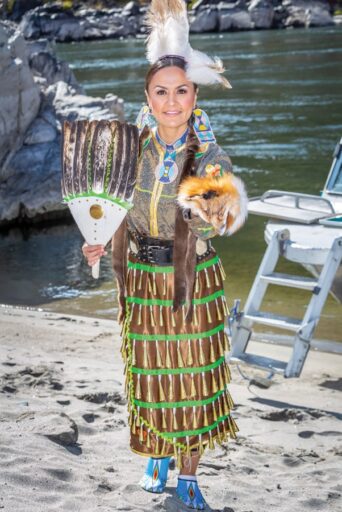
{"x":176,"y":374}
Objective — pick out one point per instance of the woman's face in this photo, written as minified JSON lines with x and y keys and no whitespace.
{"x":171,"y":97}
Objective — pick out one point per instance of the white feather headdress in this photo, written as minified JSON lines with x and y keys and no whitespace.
{"x":169,"y":35}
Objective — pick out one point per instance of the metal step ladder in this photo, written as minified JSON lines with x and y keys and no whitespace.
{"x":241,"y":323}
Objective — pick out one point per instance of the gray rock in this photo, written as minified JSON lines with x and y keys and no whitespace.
{"x":131,"y":9}
{"x":262,"y":13}
{"x":234,"y":19}
{"x":204,"y":21}
{"x":45,"y":64}
{"x":307,"y":13}
{"x":30,"y":125}
{"x":20,"y":96}
{"x":40,"y":131}
{"x":318,"y":17}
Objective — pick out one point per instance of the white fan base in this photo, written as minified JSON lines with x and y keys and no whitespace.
{"x":96,"y":231}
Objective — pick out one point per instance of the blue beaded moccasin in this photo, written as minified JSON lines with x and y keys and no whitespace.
{"x":188,"y":492}
{"x":154,"y":479}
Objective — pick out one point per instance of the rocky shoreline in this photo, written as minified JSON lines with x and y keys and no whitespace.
{"x":82,"y":22}
{"x":38,"y":92}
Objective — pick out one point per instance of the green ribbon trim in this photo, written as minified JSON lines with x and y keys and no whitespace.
{"x":169,"y":269}
{"x":120,"y":202}
{"x":172,"y":405}
{"x":175,"y":337}
{"x":178,"y":371}
{"x":203,"y":430}
{"x":168,"y":303}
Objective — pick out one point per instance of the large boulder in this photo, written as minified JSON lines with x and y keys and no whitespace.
{"x":234,"y":16}
{"x":204,"y":20}
{"x":262,"y":13}
{"x":311,"y":13}
{"x":38,"y":92}
{"x":52,"y":22}
{"x":20,"y":95}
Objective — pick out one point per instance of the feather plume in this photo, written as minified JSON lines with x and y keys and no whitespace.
{"x":168,"y":23}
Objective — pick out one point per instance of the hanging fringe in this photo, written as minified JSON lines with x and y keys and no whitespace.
{"x":133,"y":425}
{"x":134,"y":281}
{"x":161,"y":390}
{"x":201,"y":353}
{"x":221,"y":379}
{"x":229,"y":399}
{"x":156,"y":448}
{"x":182,"y":388}
{"x":217,"y":282}
{"x":197,"y":283}
{"x":148,"y":440}
{"x":211,"y":442}
{"x":149,"y":284}
{"x":158,"y":356}
{"x":172,"y":395}
{"x":205,"y":414}
{"x":196,"y":323}
{"x":218,"y":310}
{"x":164,"y":423}
{"x":154,"y":287}
{"x":133,"y":353}
{"x":161,"y":321}
{"x":175,"y":423}
{"x":214,"y":410}
{"x":224,"y":306}
{"x":139,"y":315}
{"x":153,"y":322}
{"x":214,"y":386}
{"x":190,"y":359}
{"x":149,"y":393}
{"x":219,"y":342}
{"x":151,"y":418}
{"x":173,"y":322}
{"x":227,"y":373}
{"x":140,"y":280}
{"x":141,"y":434}
{"x":223,"y":274}
{"x":194,"y":421}
{"x":208,"y":313}
{"x":168,"y":358}
{"x":207,"y":280}
{"x":212,"y":353}
{"x":192,"y":388}
{"x":145,"y":361}
{"x":164,"y":283}
{"x":179,"y":356}
{"x":205,"y":387}
{"x":220,"y":407}
{"x":137,"y":421}
{"x":138,"y":388}
{"x":185,"y":421}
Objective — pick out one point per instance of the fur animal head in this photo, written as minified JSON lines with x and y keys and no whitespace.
{"x":221,"y":201}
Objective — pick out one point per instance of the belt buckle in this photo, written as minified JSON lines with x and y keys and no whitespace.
{"x":151,"y":254}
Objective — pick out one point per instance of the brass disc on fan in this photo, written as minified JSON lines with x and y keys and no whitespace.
{"x":96,"y":211}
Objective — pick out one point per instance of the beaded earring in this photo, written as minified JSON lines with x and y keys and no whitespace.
{"x":145,"y":118}
{"x":202,"y":126}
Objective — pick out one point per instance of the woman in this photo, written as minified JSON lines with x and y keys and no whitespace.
{"x":174,"y":305}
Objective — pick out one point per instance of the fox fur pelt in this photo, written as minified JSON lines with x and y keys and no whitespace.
{"x":219,"y":200}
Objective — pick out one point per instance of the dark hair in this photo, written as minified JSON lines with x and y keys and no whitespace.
{"x":165,"y":62}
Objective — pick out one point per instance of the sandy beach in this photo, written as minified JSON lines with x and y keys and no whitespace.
{"x":64,"y":437}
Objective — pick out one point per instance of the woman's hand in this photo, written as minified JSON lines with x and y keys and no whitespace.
{"x":93,"y":253}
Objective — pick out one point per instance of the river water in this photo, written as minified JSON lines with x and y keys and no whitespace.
{"x":279,"y":124}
